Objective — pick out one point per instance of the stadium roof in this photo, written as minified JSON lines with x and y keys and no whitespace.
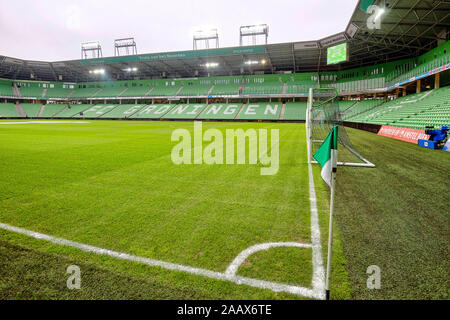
{"x":408,"y":28}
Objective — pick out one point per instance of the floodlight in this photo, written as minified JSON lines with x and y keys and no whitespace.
{"x":380,"y":13}
{"x":92,"y":47}
{"x":206,"y":35}
{"x":253,"y":31}
{"x":251,"y":62}
{"x":211,"y":65}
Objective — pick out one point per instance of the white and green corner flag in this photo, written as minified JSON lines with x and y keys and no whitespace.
{"x":323,"y":155}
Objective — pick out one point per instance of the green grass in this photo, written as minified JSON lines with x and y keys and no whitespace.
{"x":396,"y":216}
{"x":113,"y":185}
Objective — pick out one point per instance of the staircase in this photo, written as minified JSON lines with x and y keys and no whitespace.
{"x":210,"y":90}
{"x":178,"y":91}
{"x":20,"y":110}
{"x":64,"y":109}
{"x":284,"y":89}
{"x":283,"y":108}
{"x":17,"y":92}
{"x":203,"y":111}
{"x":240,"y":111}
{"x":41,"y":110}
{"x":122,"y":92}
{"x":241,"y":87}
{"x":148,"y":92}
{"x":44,"y":93}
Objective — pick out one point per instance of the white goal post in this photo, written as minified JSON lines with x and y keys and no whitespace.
{"x":322,"y":113}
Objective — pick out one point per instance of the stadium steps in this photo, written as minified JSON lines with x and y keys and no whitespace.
{"x":283,"y":107}
{"x":20,"y":110}
{"x":210,"y":90}
{"x":240,"y":111}
{"x":122,"y":92}
{"x":44,"y":93}
{"x":149,"y":91}
{"x":17,"y":92}
{"x":204,"y":110}
{"x":351,"y":106}
{"x":62,"y":110}
{"x":70,"y":94}
{"x":96,"y":93}
{"x":179,"y":90}
{"x":284,"y":89}
{"x":41,"y":109}
{"x":241,"y":87}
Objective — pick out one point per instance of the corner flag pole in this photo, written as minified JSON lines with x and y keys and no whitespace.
{"x":330,"y":227}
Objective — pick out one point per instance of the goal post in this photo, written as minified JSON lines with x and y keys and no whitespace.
{"x":322,"y":114}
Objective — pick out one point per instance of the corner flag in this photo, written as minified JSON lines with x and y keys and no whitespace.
{"x":324,"y":155}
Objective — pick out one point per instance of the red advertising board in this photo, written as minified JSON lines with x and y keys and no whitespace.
{"x":404,"y":134}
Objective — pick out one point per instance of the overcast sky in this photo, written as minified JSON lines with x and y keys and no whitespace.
{"x":52,"y":30}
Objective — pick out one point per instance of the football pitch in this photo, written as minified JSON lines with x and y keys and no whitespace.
{"x":182,"y":231}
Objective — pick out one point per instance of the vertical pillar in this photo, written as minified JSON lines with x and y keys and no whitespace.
{"x":437,"y":80}
{"x":404,"y":91}
{"x":418,"y":88}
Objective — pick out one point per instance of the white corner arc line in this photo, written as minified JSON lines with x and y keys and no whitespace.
{"x":234,"y":266}
{"x":261,"y":284}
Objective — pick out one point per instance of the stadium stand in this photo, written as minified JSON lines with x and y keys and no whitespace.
{"x":6,"y":88}
{"x":221,"y":111}
{"x":408,"y":109}
{"x":226,"y":86}
{"x":95,"y":111}
{"x":261,"y":111}
{"x":109,"y":91}
{"x":154,"y":111}
{"x":295,"y":111}
{"x":8,"y":110}
{"x":123,"y":111}
{"x":164,"y":88}
{"x":52,"y":109}
{"x":72,"y":110}
{"x":84,"y":92}
{"x":135,"y":90}
{"x":196,"y":88}
{"x":30,"y":89}
{"x":185,"y":111}
{"x":268,"y":84}
{"x":361,"y":107}
{"x":57,"y":91}
{"x":31,"y":109}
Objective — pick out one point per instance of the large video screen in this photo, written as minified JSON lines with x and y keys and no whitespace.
{"x":337,"y":53}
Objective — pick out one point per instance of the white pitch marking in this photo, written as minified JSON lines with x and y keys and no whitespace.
{"x":234,"y":266}
{"x":261,"y":284}
{"x":318,"y":270}
{"x":32,"y":122}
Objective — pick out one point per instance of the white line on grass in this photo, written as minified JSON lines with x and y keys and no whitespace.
{"x":234,"y":266}
{"x":262,"y":284}
{"x":318,"y":270}
{"x":45,"y":122}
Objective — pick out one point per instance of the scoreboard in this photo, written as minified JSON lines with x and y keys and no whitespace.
{"x":337,"y":53}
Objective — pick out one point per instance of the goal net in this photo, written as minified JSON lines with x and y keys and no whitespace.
{"x":322,"y":115}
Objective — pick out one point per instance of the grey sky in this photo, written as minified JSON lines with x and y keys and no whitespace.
{"x":53,"y":30}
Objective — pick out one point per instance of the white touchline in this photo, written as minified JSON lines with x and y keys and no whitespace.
{"x":318,"y":270}
{"x":43,"y":122}
{"x":262,"y":284}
